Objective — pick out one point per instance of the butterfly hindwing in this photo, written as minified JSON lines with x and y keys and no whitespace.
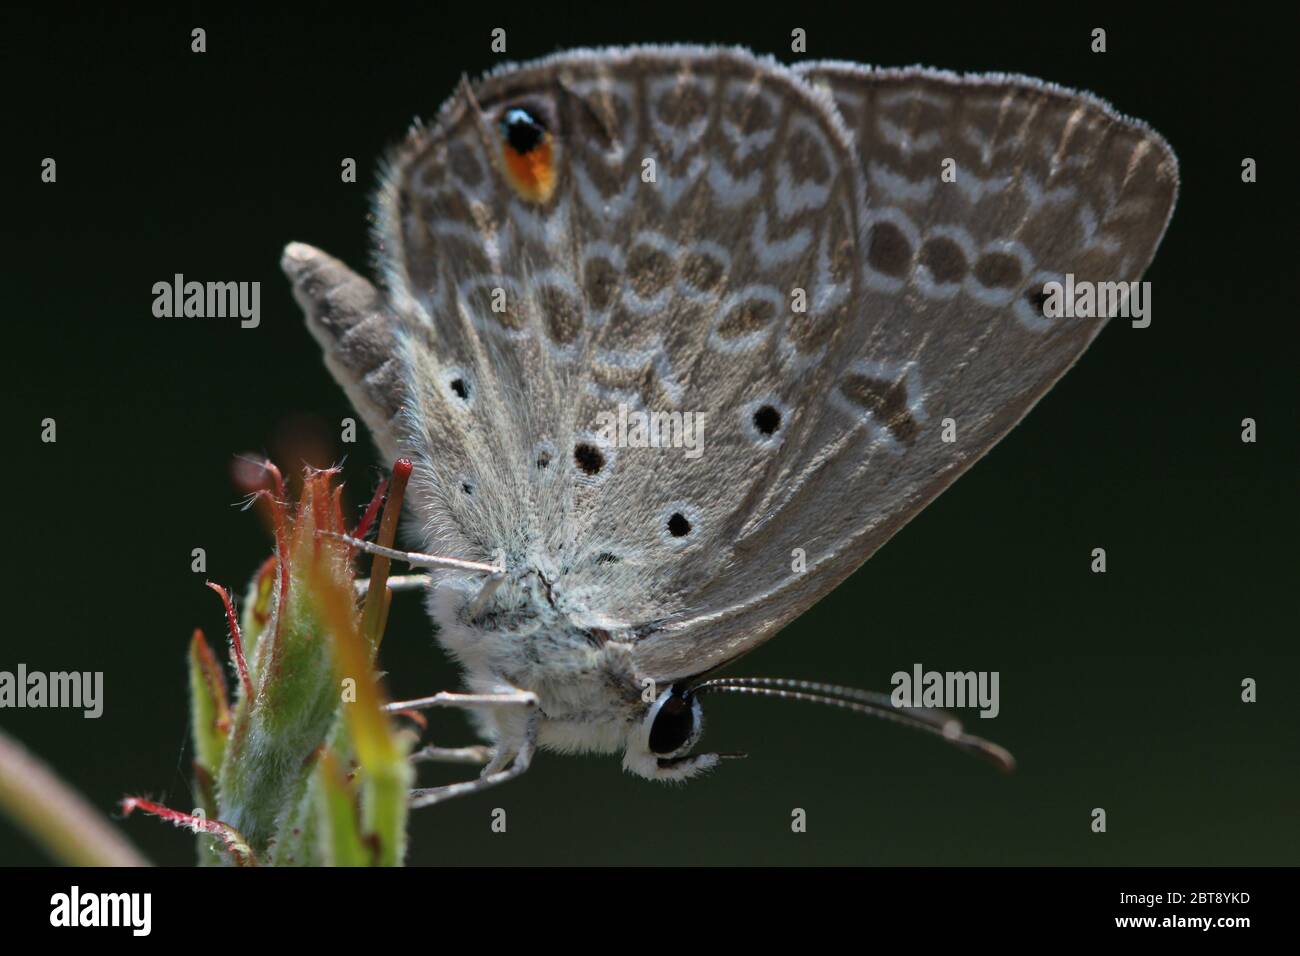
{"x":949,"y":328}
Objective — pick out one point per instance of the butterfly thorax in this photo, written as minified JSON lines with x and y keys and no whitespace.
{"x":534,"y":633}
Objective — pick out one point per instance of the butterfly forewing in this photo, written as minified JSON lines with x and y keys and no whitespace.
{"x":695,"y":191}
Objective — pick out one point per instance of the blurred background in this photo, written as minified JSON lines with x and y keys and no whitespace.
{"x":1119,"y":690}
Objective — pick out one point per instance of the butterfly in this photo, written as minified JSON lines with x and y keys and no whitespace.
{"x":638,"y":228}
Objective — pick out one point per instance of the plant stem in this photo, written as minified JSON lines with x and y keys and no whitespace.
{"x":59,"y":818}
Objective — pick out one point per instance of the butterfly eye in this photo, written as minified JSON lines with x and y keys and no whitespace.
{"x":675,"y":721}
{"x":528,"y":154}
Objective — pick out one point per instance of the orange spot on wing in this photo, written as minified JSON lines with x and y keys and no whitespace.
{"x":532,"y":174}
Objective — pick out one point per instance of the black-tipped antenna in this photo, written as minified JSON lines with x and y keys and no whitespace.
{"x":937,"y":722}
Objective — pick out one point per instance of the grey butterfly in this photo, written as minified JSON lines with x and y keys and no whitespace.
{"x":535,"y":275}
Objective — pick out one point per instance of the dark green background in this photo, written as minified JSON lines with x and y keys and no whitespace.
{"x":1119,"y":691}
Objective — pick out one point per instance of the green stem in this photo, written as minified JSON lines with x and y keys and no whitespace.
{"x":57,"y":817}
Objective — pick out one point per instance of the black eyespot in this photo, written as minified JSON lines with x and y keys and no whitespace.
{"x":588,"y":458}
{"x":678,"y":526}
{"x":1037,"y":299}
{"x":544,"y":459}
{"x":767,"y":420}
{"x":461,"y":388}
{"x":466,"y":487}
{"x":522,"y":130}
{"x":674,"y":724}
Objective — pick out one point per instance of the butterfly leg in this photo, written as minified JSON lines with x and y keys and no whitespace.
{"x":522,"y":698}
{"x":478,"y":754}
{"x":507,"y":761}
{"x":507,"y":764}
{"x":396,"y":582}
{"x":409,"y":582}
{"x":416,"y":558}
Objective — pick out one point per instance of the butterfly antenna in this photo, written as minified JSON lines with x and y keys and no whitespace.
{"x":937,"y":722}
